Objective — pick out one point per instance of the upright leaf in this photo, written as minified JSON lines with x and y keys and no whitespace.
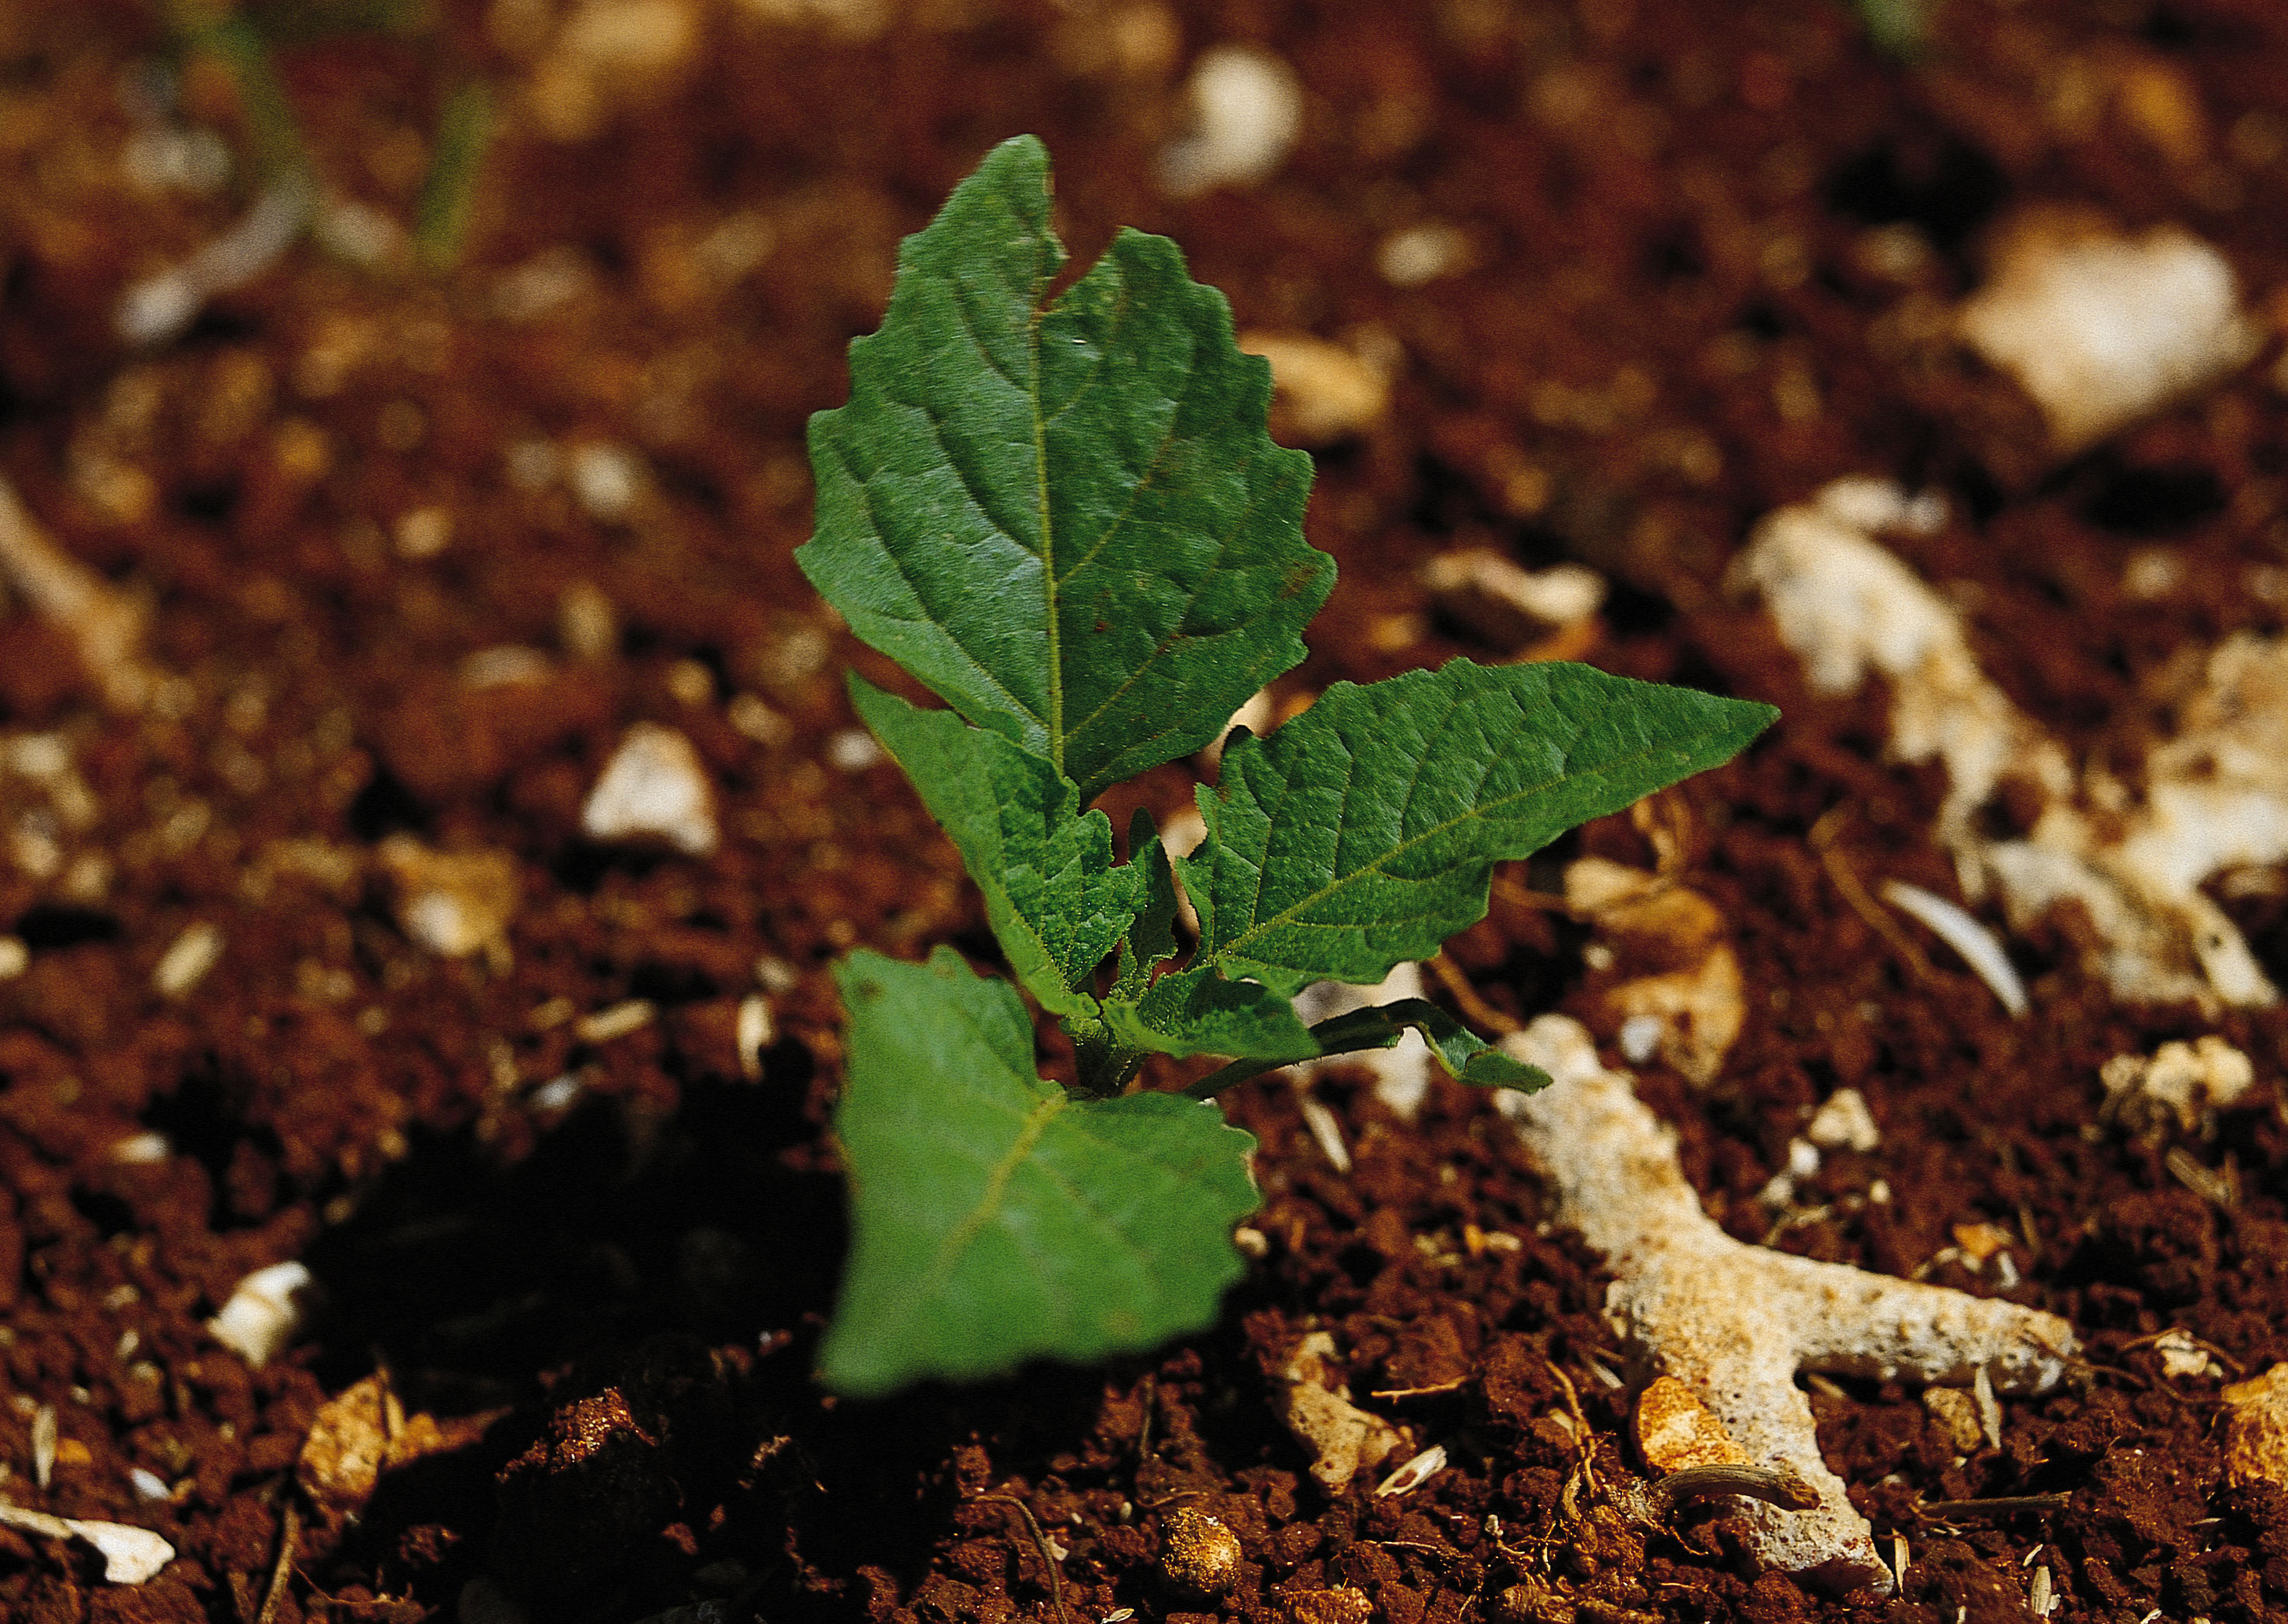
{"x":995,"y":1218}
{"x":1051,"y":894}
{"x":1151,"y":940}
{"x":1068,"y":521}
{"x":1365,"y":832}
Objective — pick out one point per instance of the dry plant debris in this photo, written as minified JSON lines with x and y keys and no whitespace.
{"x":2215,"y":797}
{"x":1733,"y":1323}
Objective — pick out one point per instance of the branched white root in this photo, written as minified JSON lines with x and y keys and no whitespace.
{"x":105,"y":624}
{"x":1736,"y":1322}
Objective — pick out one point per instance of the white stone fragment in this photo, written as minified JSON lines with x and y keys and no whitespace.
{"x":142,"y":1149}
{"x":1317,"y":1406}
{"x":1323,"y":392}
{"x":1420,"y":254}
{"x":452,"y":903}
{"x":43,"y":1445}
{"x":1507,"y":604}
{"x":130,"y":1555}
{"x":187,"y":962}
{"x":147,"y":1484}
{"x":2102,"y":330}
{"x":654,"y":787}
{"x":2187,"y":1084}
{"x":506,"y":665}
{"x":1247,"y":109}
{"x":15,"y":957}
{"x":607,"y":480}
{"x":1844,"y":1122}
{"x":2183,"y":1356}
{"x":853,"y":749}
{"x":1401,"y":1073}
{"x":263,"y":1314}
{"x":1733,"y":1322}
{"x":755,"y":1033}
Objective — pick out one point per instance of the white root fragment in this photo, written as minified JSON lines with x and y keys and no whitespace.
{"x":131,"y":1555}
{"x":159,"y":307}
{"x":2215,"y":797}
{"x":1958,"y":931}
{"x":106,"y":625}
{"x":1733,"y":1322}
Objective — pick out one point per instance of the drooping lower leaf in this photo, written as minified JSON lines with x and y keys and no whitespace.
{"x":1364,"y":831}
{"x":1068,"y":520}
{"x":1051,"y":894}
{"x":994,"y":1218}
{"x":1466,"y":1056}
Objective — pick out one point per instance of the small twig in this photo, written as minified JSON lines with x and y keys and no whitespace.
{"x":1775,"y":1485}
{"x":1879,"y":920}
{"x":1417,"y":1392}
{"x":2001,"y":1505}
{"x":1475,"y":1008}
{"x":1040,"y":1544}
{"x":290,"y":1529}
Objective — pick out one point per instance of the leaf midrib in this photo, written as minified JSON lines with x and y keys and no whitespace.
{"x":1480,"y":811}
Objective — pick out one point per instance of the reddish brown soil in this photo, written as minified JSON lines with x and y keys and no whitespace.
{"x":1674,"y":322}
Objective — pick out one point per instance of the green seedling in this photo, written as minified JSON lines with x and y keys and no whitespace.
{"x":1066,"y":519}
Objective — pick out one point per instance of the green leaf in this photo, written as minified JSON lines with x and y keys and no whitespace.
{"x":1465,"y":1055}
{"x":994,"y":1218}
{"x":1151,"y":940}
{"x":1051,"y":894}
{"x":1068,"y":522}
{"x":1188,"y":1014}
{"x":1365,"y":832}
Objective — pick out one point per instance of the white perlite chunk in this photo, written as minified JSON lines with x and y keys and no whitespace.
{"x":1246,"y":107}
{"x":654,"y":787}
{"x":1733,"y":1322}
{"x":2102,"y":330}
{"x":2215,"y":797}
{"x":131,"y":1555}
{"x":264,"y":1313}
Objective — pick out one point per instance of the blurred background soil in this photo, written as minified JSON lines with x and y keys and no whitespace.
{"x":500,"y":454}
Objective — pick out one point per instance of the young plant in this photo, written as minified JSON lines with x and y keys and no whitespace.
{"x":1066,"y":519}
